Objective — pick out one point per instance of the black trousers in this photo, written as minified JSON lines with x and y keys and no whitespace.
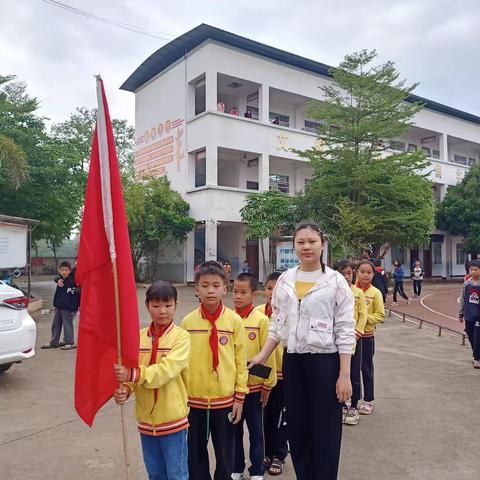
{"x":275,"y":424}
{"x":253,"y":416}
{"x":356,"y":374}
{"x":368,"y":351}
{"x":398,"y":288}
{"x":473,"y":333}
{"x":417,"y":287}
{"x":223,"y":437}
{"x":314,"y":422}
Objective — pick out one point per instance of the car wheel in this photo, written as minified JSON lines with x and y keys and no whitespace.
{"x":5,"y":367}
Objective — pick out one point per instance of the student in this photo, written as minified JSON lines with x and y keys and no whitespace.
{"x":160,"y":386}
{"x":417,"y":276}
{"x":274,"y":414}
{"x":256,"y":325}
{"x":313,"y":318}
{"x":218,"y":375}
{"x":228,"y":270}
{"x":375,"y":314}
{"x":380,"y":279}
{"x":351,"y":415}
{"x":470,"y":310}
{"x":66,"y":302}
{"x":398,"y":277}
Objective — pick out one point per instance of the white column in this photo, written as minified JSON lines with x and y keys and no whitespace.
{"x":262,"y":275}
{"x":264,"y":172}
{"x":444,"y":258}
{"x":211,"y":90}
{"x":190,"y":256}
{"x":212,"y":164}
{"x":443,"y":144}
{"x":211,"y":239}
{"x":264,"y":103}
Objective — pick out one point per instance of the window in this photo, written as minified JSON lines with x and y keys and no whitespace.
{"x":200,"y":168}
{"x":279,"y":119}
{"x":412,"y":147}
{"x":252,"y":112}
{"x":396,"y":145}
{"x":436,"y":154}
{"x":252,"y":185}
{"x":311,"y":126}
{"x":460,"y":159}
{"x":471,"y":161}
{"x":279,"y":182}
{"x":199,"y":87}
{"x":437,"y":253}
{"x":460,"y":254}
{"x":426,"y":151}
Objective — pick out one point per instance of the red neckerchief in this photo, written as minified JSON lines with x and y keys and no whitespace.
{"x":245,"y":311}
{"x":268,"y":310}
{"x":364,"y":289}
{"x":378,"y":269}
{"x":156,"y":333}
{"x":213,"y":340}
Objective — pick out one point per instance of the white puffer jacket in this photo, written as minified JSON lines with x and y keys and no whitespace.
{"x":322,"y":322}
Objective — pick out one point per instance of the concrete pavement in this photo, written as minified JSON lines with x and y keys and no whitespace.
{"x":425,"y":425}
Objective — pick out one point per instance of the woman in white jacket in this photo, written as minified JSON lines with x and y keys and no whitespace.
{"x":313,"y":318}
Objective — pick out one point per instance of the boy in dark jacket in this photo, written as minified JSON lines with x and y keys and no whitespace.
{"x":380,"y":279}
{"x":66,"y":302}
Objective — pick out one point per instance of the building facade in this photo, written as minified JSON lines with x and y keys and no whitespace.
{"x":220,"y":114}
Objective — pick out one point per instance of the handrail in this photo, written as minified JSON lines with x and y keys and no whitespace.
{"x":421,"y":321}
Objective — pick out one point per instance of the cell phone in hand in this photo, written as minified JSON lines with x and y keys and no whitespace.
{"x":261,"y":371}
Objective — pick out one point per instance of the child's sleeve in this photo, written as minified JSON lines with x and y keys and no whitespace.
{"x":241,"y":381}
{"x":271,"y":381}
{"x":362,"y":315}
{"x":167,"y":368}
{"x":378,"y":315}
{"x":462,"y":302}
{"x":344,"y":323}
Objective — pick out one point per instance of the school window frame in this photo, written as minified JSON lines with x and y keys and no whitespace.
{"x":426,"y":150}
{"x":460,"y":159}
{"x":279,"y":182}
{"x":437,"y":253}
{"x":460,"y":254}
{"x":397,"y":145}
{"x":200,"y":168}
{"x":412,"y":147}
{"x":436,"y":154}
{"x":283,"y":120}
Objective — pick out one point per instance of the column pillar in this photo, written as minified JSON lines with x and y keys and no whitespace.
{"x":210,"y":239}
{"x":264,"y":172}
{"x":190,"y":257}
{"x":443,"y":144}
{"x":264,"y":103}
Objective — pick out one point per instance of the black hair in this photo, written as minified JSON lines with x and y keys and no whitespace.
{"x":474,"y":263}
{"x":398,"y":261}
{"x":377,"y":263}
{"x":273,"y":277}
{"x":251,"y":279}
{"x":366,"y":262}
{"x":211,"y":267}
{"x":315,"y":228}
{"x":342,"y":264}
{"x":65,"y":264}
{"x":161,"y":291}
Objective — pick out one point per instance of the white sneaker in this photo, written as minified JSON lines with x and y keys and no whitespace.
{"x":476,"y":364}
{"x":352,"y":417}
{"x":238,"y":476}
{"x":394,"y":304}
{"x":255,"y":477}
{"x":366,"y":408}
{"x":409,"y":301}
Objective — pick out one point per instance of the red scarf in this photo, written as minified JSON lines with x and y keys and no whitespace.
{"x":268,"y":310}
{"x":362,"y":288}
{"x":213,"y":340}
{"x":245,"y":311}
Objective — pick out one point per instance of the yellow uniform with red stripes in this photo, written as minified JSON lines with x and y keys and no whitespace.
{"x":360,"y":313}
{"x":256,"y":334}
{"x":161,"y":401}
{"x":278,"y":352}
{"x":208,"y":389}
{"x":375,"y":310}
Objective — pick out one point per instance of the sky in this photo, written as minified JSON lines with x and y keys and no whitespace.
{"x":57,"y":53}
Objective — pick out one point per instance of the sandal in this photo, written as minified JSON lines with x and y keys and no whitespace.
{"x":48,"y":345}
{"x":276,"y":467}
{"x":68,"y":346}
{"x":267,"y":462}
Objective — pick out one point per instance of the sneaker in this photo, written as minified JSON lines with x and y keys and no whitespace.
{"x":254,"y":477}
{"x":238,"y":476}
{"x":68,"y":346}
{"x":352,"y":417}
{"x":409,"y":301}
{"x":366,"y":408}
{"x":394,"y":304}
{"x":48,"y":345}
{"x":476,"y":364}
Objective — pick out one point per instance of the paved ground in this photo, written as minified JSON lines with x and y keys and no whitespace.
{"x":425,"y":426}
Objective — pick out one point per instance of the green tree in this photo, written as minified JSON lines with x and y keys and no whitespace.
{"x":458,"y":213}
{"x":266,"y":214}
{"x":359,"y":193}
{"x":157,"y":217}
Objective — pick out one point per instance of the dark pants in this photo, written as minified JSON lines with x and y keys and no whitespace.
{"x":368,"y":351}
{"x":62,"y":318}
{"x":314,"y":414}
{"x":275,"y":423}
{"x":223,"y":437}
{"x":417,"y":287}
{"x":253,"y":415}
{"x":473,"y":333}
{"x":356,"y":374}
{"x":165,"y":457}
{"x":398,"y":287}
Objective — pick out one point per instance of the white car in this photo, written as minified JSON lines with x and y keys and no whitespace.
{"x":18,"y":330}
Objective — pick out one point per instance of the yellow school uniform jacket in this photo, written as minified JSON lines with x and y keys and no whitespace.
{"x":208,"y":389}
{"x":278,"y":352}
{"x":256,"y":333}
{"x":161,"y":400}
{"x":375,"y":310}
{"x":360,"y":313}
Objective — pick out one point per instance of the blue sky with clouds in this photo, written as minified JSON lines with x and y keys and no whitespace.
{"x":434,"y":42}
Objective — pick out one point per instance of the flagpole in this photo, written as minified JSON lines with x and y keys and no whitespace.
{"x":119,"y":361}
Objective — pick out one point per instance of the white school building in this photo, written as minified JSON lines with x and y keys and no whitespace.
{"x":218,"y":114}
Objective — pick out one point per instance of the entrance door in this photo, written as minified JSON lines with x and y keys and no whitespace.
{"x":252,"y":255}
{"x":413,"y":257}
{"x":427,"y":261}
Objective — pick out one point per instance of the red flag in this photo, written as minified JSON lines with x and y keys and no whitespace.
{"x":103,"y":241}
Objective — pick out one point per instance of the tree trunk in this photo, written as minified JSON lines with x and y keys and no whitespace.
{"x":264,"y":262}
